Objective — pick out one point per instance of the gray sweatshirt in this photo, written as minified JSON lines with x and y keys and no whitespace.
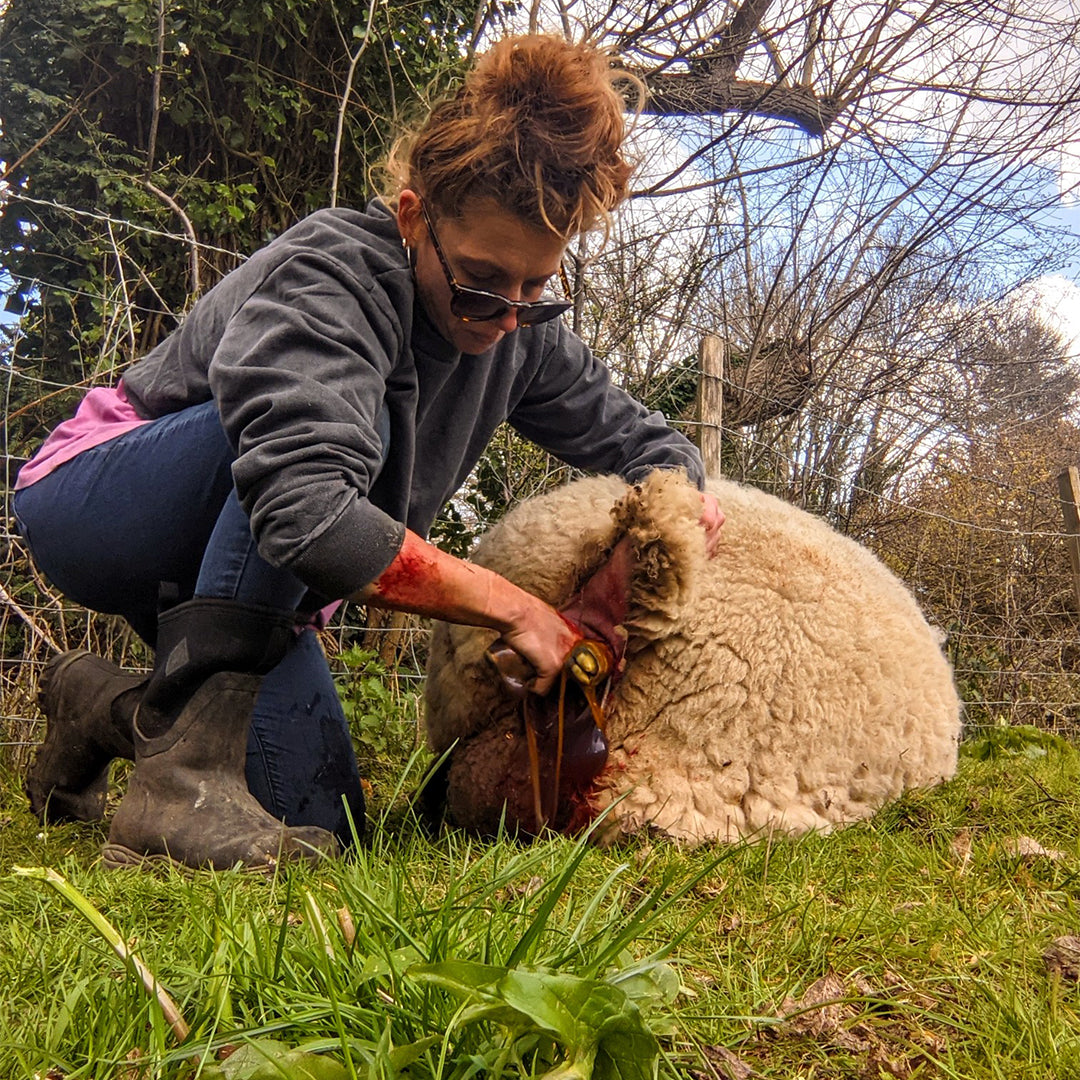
{"x":320,"y":332}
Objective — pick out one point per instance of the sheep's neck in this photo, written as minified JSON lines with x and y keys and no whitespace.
{"x":599,"y":607}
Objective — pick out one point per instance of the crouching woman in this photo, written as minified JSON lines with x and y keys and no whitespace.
{"x":290,"y":446}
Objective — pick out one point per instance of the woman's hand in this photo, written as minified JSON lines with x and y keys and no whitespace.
{"x":711,"y":520}
{"x":543,"y":638}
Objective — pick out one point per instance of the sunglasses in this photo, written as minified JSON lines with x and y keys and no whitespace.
{"x":480,"y":305}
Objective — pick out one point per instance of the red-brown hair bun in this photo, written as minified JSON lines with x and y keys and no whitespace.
{"x":538,"y":126}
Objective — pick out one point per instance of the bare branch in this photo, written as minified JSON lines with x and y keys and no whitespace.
{"x":345,"y":94}
{"x":734,"y":39}
{"x":194,"y":286}
{"x":59,"y":126}
{"x":691,"y":94}
{"x":155,"y":94}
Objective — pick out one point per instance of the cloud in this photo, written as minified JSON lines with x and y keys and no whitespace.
{"x":1058,"y":301}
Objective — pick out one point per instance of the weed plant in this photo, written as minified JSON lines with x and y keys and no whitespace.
{"x":909,"y":946}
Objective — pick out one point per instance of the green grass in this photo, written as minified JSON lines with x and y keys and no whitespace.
{"x":910,"y":946}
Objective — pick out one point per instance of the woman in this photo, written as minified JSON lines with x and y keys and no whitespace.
{"x":290,"y":445}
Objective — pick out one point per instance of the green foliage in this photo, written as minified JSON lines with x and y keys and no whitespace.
{"x":674,"y":391}
{"x":922,"y":924}
{"x":371,"y":707}
{"x":597,"y":1025}
{"x":270,"y":1059}
{"x":510,"y":471}
{"x":911,"y":945}
{"x":239,"y":135}
{"x":1008,"y":740}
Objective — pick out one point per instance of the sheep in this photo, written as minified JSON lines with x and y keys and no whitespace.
{"x":789,"y":684}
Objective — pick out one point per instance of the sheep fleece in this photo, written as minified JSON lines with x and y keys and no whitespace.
{"x":791,"y":683}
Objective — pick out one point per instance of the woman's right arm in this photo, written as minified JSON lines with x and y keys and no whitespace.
{"x":424,"y":580}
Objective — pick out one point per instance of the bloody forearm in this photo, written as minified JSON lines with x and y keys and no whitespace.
{"x":427,"y":581}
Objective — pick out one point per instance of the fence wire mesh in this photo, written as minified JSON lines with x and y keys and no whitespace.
{"x":998,"y":587}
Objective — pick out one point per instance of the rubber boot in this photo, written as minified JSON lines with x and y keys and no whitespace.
{"x":89,"y":705}
{"x":187,"y":800}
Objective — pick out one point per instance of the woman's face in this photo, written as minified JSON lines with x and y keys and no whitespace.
{"x":487,"y":248}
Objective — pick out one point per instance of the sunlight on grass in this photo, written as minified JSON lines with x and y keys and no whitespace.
{"x":911,"y":946}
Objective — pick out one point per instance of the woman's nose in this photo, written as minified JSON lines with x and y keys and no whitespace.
{"x":508,"y":323}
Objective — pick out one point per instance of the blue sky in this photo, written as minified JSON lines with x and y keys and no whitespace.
{"x":1069,"y":217}
{"x":1061,"y":291}
{"x":7,"y":318}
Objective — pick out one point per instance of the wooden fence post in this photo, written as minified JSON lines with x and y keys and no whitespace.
{"x":710,"y":401}
{"x":1069,"y":487}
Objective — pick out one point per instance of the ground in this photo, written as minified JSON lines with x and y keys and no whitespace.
{"x":932,"y":941}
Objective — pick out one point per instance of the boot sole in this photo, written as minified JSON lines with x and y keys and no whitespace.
{"x":118,"y":857}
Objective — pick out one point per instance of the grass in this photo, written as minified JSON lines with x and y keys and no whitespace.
{"x":909,"y":946}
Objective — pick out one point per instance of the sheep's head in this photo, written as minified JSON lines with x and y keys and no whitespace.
{"x":620,"y":576}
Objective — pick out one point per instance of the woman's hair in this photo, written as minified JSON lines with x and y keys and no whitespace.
{"x":538,"y":126}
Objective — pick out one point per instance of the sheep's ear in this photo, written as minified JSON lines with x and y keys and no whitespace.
{"x":661,"y":516}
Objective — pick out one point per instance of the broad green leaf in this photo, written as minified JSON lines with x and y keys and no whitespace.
{"x":268,"y":1059}
{"x":403,"y":1056}
{"x":598,"y":1026}
{"x":653,"y":984}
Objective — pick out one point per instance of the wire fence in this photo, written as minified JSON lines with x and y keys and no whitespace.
{"x":999,"y":587}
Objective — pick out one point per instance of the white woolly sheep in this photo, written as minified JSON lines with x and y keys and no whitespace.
{"x":791,"y":683}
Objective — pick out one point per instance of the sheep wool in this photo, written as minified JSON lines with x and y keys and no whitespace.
{"x":789,"y":684}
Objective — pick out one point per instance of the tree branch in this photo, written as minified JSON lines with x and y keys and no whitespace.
{"x":60,"y":124}
{"x":353,"y":61}
{"x":734,"y":39}
{"x":692,"y":94}
{"x":194,"y":286}
{"x":155,"y":96}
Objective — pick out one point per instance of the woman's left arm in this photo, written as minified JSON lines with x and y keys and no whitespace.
{"x":573,"y":410}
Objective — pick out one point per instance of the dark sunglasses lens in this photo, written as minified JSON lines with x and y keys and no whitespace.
{"x":479,"y":307}
{"x":542,"y":312}
{"x":476,"y":307}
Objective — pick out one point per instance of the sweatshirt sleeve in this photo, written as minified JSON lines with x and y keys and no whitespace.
{"x":572,"y":409}
{"x":299,"y":376}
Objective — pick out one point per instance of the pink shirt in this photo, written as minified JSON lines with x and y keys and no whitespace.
{"x":102,"y":415}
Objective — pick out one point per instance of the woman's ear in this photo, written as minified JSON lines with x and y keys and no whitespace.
{"x":409,"y":218}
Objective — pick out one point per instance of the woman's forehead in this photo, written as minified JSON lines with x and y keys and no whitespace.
{"x":490,"y":237}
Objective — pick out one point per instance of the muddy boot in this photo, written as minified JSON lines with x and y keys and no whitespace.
{"x":89,"y":705}
{"x":187,"y":800}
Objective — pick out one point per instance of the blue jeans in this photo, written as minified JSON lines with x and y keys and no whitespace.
{"x":157,"y":504}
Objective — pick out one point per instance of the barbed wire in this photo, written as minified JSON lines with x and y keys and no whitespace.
{"x":738,"y":433}
{"x":14,"y":195}
{"x":974,"y":635}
